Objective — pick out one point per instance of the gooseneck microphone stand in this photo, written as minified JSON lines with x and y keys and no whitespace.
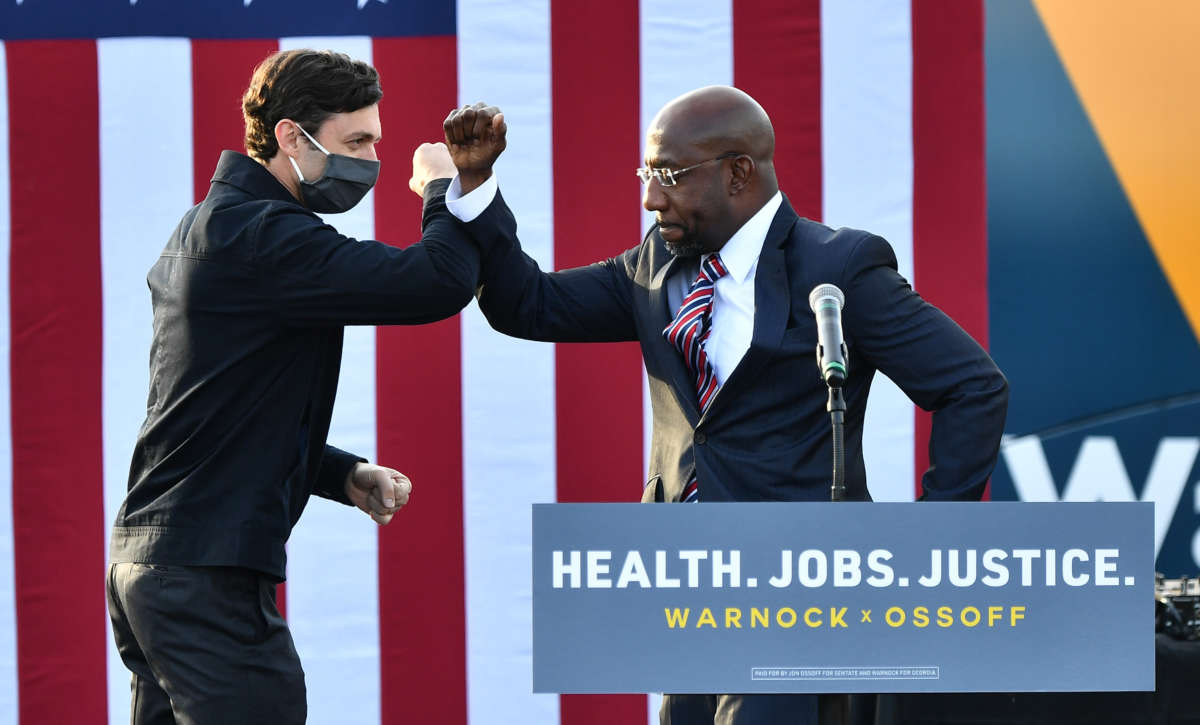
{"x":836,"y":405}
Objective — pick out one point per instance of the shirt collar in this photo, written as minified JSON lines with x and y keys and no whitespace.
{"x":741,"y":251}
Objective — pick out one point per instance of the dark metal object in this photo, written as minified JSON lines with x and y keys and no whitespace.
{"x":1177,"y":607}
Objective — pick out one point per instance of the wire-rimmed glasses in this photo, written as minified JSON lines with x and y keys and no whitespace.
{"x":670,"y":177}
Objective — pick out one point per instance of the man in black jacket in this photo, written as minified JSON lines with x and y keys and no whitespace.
{"x":250,"y":296}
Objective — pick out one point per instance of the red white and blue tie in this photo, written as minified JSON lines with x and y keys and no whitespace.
{"x":688,"y":332}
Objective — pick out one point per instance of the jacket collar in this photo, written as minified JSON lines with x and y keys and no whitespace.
{"x":245,"y":173}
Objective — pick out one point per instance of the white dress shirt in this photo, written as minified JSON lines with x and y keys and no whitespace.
{"x":733,"y":295}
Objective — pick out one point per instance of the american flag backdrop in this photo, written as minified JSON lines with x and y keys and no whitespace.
{"x":112,"y":115}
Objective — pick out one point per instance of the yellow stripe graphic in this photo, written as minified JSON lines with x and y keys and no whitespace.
{"x":1137,"y":73}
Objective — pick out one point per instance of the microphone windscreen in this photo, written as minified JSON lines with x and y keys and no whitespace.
{"x":823,"y":291}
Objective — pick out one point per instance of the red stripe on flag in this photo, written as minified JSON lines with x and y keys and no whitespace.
{"x":777,"y":59}
{"x":595,"y":92}
{"x":57,"y":497}
{"x":220,"y":74}
{"x":949,"y":182}
{"x":419,"y":416}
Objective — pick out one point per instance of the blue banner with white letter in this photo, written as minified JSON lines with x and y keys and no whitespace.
{"x":847,"y":597}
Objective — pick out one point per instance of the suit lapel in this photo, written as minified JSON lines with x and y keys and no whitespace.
{"x":660,"y":307}
{"x":682,"y":383}
{"x":772,"y":301}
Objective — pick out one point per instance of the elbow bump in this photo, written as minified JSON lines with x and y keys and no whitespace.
{"x":459,"y":294}
{"x":450,"y":299}
{"x":442,"y":298}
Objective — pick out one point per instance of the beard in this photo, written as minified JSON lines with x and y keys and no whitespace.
{"x":686,"y":246}
{"x":685,"y":249}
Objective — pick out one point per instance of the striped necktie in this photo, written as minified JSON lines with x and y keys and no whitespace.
{"x":688,"y":332}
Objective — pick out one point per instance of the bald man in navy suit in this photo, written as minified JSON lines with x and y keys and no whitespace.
{"x":741,"y":415}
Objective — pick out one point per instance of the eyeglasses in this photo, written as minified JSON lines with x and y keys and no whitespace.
{"x":669,"y":177}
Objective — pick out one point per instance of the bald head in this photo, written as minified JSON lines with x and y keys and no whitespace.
{"x":720,"y":143}
{"x":717,"y":119}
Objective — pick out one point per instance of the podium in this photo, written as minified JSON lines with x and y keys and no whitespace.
{"x":843,"y":598}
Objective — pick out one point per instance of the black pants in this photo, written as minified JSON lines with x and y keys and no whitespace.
{"x":205,"y":645}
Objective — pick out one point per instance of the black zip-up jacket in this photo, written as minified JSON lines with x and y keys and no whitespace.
{"x":250,"y":296}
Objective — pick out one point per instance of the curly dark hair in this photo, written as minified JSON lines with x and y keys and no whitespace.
{"x":307,"y":86}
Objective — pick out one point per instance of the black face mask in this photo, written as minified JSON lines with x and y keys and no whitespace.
{"x":346,"y":181}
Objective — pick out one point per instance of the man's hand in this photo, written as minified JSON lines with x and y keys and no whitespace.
{"x":377,"y":490}
{"x":476,"y":137}
{"x":430,"y":161}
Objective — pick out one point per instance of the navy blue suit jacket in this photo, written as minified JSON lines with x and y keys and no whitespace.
{"x":766,"y":436}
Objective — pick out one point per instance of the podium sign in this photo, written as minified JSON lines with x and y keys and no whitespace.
{"x":845,"y":597}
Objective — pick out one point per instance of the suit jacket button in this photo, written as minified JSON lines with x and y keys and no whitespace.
{"x":700,"y":438}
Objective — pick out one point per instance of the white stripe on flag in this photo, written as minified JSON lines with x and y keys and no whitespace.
{"x":866,"y":123}
{"x":508,"y":385}
{"x":8,"y":607}
{"x":145,"y":112}
{"x":679,"y":54}
{"x":333,"y":572}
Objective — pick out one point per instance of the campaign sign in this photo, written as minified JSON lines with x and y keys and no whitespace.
{"x":843,"y":597}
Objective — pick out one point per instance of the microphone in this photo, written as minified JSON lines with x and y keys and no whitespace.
{"x":826,"y":301}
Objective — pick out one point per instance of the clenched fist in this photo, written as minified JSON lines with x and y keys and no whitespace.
{"x":430,"y":161}
{"x":378,"y":490}
{"x":475,"y":136}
